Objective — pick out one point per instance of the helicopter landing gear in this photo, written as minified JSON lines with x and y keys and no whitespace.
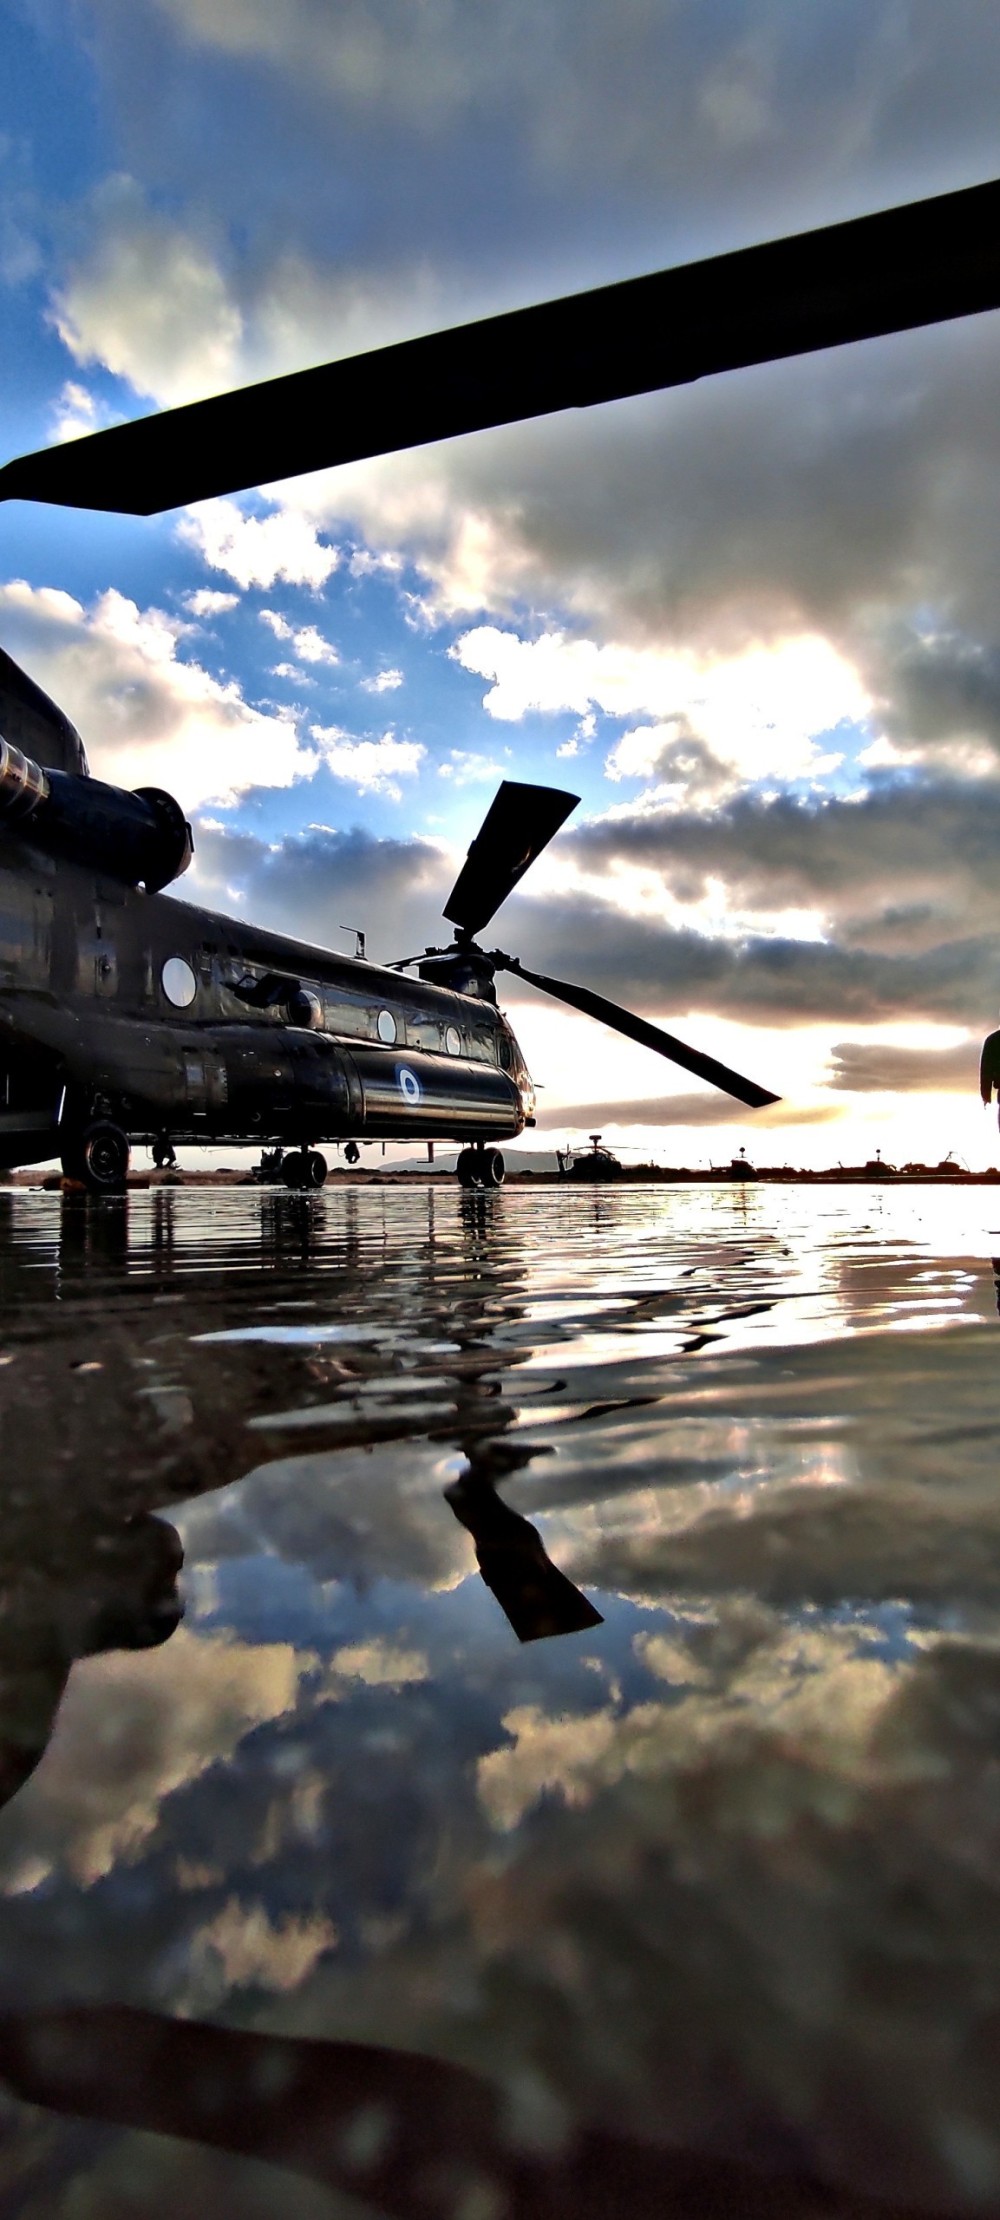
{"x":164,"y":1153}
{"x":304,"y":1169}
{"x":98,"y":1157}
{"x":479,"y":1167}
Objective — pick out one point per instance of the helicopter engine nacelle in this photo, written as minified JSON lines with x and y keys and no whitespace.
{"x":142,"y":838}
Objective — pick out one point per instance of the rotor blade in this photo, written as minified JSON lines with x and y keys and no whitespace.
{"x":650,"y":1036}
{"x":519,"y":823}
{"x":921,"y":264}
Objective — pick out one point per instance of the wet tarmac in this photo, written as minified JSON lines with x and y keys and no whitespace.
{"x":499,"y":1704}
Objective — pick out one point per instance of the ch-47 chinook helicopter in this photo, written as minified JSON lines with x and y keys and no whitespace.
{"x":126,"y":1014}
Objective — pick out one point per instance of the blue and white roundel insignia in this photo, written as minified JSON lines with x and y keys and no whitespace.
{"x":409,"y":1084}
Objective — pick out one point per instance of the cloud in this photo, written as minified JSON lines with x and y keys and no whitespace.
{"x":310,"y":884}
{"x":149,"y":714}
{"x":76,"y":413}
{"x":206,"y":602}
{"x":308,"y":644}
{"x":757,"y":710}
{"x":372,"y":766}
{"x":149,"y":302}
{"x":384,"y":682}
{"x":98,"y":1797}
{"x":464,"y":767}
{"x":675,"y":1110}
{"x":869,"y":1067}
{"x":258,"y":550}
{"x":903,"y":868}
{"x":250,"y":1950}
{"x":667,"y":970}
{"x":680,"y":108}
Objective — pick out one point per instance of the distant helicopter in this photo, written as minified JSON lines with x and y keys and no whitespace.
{"x":125,"y":1014}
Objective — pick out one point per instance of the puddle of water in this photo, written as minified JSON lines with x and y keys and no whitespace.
{"x":588,"y":1682}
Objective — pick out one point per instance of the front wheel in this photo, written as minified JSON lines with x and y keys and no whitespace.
{"x":465,"y":1169}
{"x":492,"y":1168}
{"x":315,"y":1168}
{"x":98,"y":1157}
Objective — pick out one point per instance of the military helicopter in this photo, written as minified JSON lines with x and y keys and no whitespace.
{"x":126,"y":1014}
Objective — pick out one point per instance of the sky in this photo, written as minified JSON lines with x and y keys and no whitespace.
{"x":752,"y":623}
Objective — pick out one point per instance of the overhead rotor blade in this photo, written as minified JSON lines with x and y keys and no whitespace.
{"x":650,"y":1036}
{"x":920,"y":264}
{"x":519,"y":823}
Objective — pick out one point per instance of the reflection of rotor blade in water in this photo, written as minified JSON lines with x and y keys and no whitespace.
{"x":298,"y":2101}
{"x":533,"y":1594}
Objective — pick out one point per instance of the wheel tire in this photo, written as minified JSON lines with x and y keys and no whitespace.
{"x":493,"y":1169}
{"x":316,"y":1168}
{"x":293,"y":1169}
{"x":465,"y":1169}
{"x":99,"y":1158}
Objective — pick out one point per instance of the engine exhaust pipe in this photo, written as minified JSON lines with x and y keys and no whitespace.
{"x":143,"y":838}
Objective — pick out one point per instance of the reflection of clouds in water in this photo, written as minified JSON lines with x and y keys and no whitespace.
{"x":805,"y":1689}
{"x":133,"y":1729}
{"x":345,"y":1515}
{"x":795,"y":1871}
{"x":241,"y":1948}
{"x":379,"y":1665}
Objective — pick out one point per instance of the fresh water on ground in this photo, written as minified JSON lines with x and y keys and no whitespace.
{"x":554,"y":1634}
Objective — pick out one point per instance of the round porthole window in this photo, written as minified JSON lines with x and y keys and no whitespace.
{"x":386,"y":1027}
{"x":178,"y":982}
{"x":453,"y":1041}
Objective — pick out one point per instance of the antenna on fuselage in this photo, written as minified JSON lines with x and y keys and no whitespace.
{"x":359,"y":938}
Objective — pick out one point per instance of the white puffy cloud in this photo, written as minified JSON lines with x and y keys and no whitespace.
{"x":150,"y":302}
{"x":149,"y":716}
{"x":467,"y":768}
{"x":383,"y":682}
{"x":307,"y":643}
{"x":206,"y":602}
{"x":258,"y":550}
{"x":757,"y":710}
{"x":76,"y":412}
{"x":372,"y":766}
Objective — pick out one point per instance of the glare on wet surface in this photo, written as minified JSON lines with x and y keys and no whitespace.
{"x":589,"y":1671}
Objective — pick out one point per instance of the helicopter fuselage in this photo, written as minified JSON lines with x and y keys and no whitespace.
{"x":122,"y":1005}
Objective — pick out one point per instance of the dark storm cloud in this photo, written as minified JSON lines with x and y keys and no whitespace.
{"x":866,"y":1067}
{"x":460,"y":160}
{"x":764,"y":980}
{"x":315,"y":884}
{"x":687,"y":1109}
{"x":942,"y":688}
{"x":312,"y":885}
{"x":901,"y":868}
{"x":725,"y":107}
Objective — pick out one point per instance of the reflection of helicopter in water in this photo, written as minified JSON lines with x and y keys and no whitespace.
{"x":91,"y":1567}
{"x":124,"y":1013}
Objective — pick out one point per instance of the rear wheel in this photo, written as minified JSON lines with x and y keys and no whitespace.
{"x":98,"y":1157}
{"x":465,"y":1169}
{"x":315,"y":1169}
{"x":491,"y":1168}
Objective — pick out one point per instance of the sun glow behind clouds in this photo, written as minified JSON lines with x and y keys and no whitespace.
{"x":757,"y":711}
